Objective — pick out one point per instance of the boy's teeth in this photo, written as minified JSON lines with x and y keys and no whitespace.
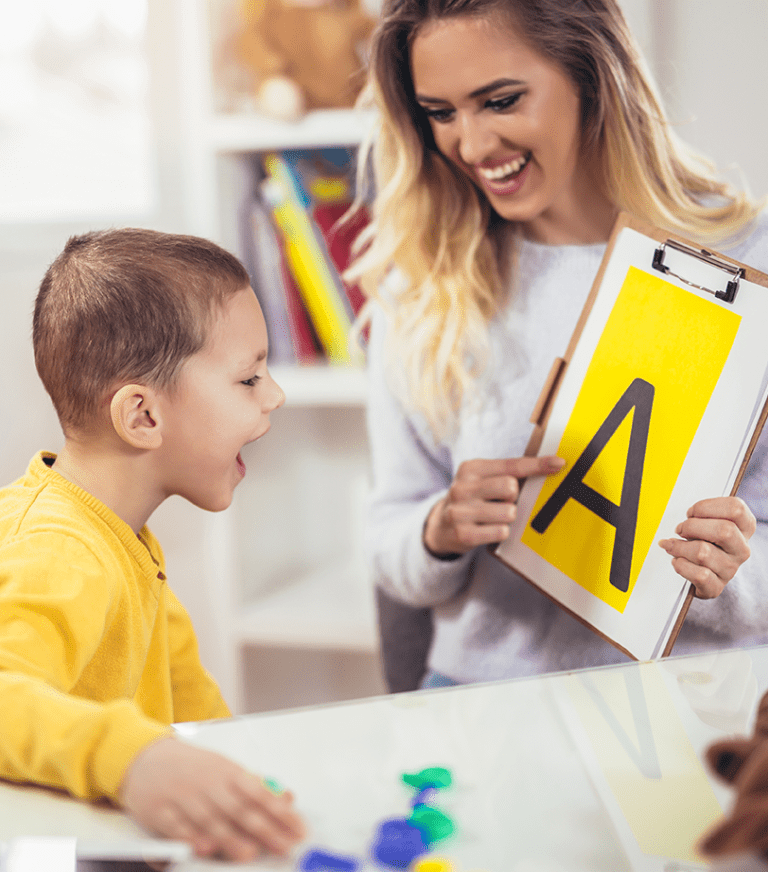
{"x":507,"y":169}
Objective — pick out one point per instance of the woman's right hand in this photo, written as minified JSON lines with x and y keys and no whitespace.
{"x":481,"y":503}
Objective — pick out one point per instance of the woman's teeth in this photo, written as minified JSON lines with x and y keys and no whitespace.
{"x":512,"y":168}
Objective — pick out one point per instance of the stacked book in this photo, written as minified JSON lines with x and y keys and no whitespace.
{"x":297,"y":242}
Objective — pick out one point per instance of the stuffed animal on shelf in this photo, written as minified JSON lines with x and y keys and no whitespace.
{"x":303,"y":54}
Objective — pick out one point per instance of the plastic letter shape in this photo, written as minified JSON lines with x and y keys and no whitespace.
{"x":398,"y":843}
{"x":435,"y":776}
{"x":433,"y":864}
{"x":324,"y":861}
{"x":435,"y":824}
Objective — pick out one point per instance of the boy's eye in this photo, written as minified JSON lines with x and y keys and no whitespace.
{"x":501,"y":104}
{"x":251,"y":381}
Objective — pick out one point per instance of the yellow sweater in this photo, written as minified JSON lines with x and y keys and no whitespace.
{"x":97,"y":656}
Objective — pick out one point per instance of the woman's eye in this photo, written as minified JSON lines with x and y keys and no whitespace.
{"x":439,"y":115}
{"x":501,"y":104}
{"x":251,"y":381}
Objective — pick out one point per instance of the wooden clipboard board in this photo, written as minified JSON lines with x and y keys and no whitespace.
{"x":609,"y":407}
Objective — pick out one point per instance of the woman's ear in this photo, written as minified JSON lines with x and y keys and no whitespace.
{"x":135,"y":416}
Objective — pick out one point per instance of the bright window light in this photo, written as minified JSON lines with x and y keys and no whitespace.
{"x":74,"y":121}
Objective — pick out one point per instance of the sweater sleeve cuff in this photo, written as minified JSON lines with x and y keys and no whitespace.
{"x":126,"y":734}
{"x":405,"y":569}
{"x":446,"y":557}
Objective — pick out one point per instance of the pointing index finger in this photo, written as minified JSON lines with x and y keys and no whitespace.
{"x":523,"y":467}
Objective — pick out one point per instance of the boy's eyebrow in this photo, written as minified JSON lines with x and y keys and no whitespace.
{"x":480,"y":92}
{"x":253,"y":361}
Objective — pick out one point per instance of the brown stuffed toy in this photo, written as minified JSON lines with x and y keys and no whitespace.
{"x":303,"y":54}
{"x":743,"y":763}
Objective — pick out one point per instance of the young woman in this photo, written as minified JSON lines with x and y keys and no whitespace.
{"x":512,"y":132}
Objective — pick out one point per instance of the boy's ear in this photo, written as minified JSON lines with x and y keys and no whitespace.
{"x":135,"y":416}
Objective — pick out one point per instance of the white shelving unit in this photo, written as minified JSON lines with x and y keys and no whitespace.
{"x":291,"y":605}
{"x":320,"y":129}
{"x":322,"y":386}
{"x":325,"y":610}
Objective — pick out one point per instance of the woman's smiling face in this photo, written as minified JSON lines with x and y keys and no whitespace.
{"x":507,"y":117}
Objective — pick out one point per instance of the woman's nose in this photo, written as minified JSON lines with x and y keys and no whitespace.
{"x":476,"y":139}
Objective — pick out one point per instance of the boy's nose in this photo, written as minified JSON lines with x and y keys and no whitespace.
{"x":276,"y":395}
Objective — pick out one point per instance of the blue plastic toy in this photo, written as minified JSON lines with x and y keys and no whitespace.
{"x":426,"y":796}
{"x":324,"y":861}
{"x":398,"y":843}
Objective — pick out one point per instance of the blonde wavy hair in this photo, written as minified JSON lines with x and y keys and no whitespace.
{"x":440,"y":232}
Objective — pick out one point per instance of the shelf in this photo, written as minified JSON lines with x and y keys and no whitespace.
{"x":332,"y":609}
{"x":324,"y":128}
{"x":316,"y":473}
{"x":322,"y":385}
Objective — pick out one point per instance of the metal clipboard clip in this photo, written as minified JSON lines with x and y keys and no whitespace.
{"x":736,"y":272}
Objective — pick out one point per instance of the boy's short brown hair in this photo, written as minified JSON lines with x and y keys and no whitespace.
{"x":126,"y":305}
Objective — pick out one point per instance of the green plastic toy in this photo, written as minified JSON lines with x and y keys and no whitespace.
{"x":435,"y":776}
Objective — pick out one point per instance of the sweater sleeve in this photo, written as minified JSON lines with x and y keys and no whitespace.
{"x":409,"y":476}
{"x":196,"y":696}
{"x":50,"y":625}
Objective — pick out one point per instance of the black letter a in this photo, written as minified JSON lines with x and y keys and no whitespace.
{"x":638,"y":396}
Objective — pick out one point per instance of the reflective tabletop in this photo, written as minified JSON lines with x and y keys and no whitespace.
{"x":585,"y":771}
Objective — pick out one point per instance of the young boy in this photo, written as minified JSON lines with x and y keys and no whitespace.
{"x":153,"y":349}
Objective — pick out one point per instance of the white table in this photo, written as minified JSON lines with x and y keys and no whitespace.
{"x":581,"y":772}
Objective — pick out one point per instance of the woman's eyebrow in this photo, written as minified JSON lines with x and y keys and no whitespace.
{"x":493,"y":86}
{"x":422,"y":99}
{"x":480,"y":92}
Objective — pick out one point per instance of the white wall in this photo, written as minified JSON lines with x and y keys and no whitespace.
{"x":712,"y":65}
{"x":709,"y":59}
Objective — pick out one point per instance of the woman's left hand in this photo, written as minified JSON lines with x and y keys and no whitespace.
{"x":713,"y":543}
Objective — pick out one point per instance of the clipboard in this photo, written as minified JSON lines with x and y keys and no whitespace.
{"x":657,"y":403}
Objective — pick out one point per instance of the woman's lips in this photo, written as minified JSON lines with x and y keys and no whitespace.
{"x":505,"y":184}
{"x":502,"y":169}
